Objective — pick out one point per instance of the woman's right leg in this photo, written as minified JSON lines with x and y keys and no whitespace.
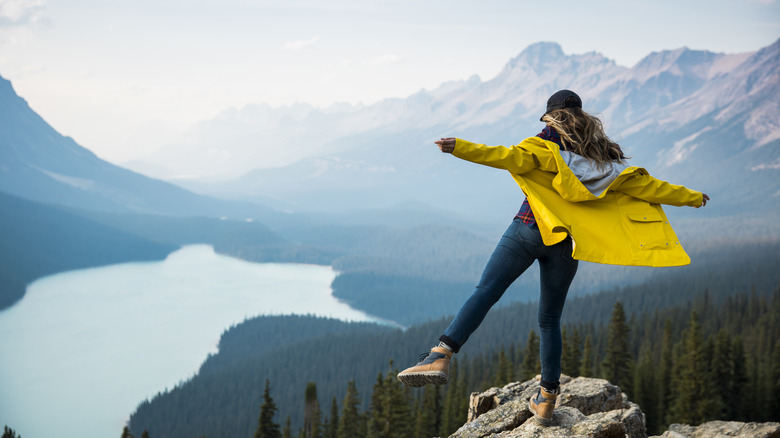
{"x":512,"y":256}
{"x":557,"y":270}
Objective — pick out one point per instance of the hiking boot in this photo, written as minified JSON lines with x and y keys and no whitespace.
{"x":433,"y":368}
{"x":542,"y":405}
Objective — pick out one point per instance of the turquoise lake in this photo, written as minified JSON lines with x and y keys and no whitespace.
{"x":83,"y":348}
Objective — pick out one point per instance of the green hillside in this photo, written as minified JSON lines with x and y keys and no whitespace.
{"x":224,"y":398}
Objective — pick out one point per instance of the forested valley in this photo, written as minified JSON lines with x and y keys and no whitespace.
{"x":39,"y":240}
{"x":416,"y":276}
{"x":425,"y":271}
{"x":707,"y":337}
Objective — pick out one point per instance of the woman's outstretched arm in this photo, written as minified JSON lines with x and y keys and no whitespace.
{"x":516,"y":159}
{"x":650,"y":189}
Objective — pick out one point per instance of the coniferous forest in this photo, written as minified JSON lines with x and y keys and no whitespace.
{"x":688,"y":347}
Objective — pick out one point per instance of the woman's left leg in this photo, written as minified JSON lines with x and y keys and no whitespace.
{"x":557,"y":271}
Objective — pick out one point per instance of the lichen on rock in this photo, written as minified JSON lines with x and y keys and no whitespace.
{"x":586,"y":407}
{"x":723,"y":429}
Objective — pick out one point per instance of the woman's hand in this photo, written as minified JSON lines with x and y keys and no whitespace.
{"x":447,"y":145}
{"x":704,"y":199}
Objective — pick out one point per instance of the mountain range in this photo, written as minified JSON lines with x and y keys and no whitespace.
{"x":40,"y":164}
{"x":708,"y":120}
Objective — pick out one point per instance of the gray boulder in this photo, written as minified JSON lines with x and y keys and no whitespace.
{"x":586,"y":407}
{"x":723,"y":429}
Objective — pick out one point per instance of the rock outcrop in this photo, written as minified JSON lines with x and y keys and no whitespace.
{"x":586,"y":407}
{"x":722,"y":429}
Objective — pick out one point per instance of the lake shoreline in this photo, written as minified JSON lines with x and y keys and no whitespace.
{"x":118,"y":334}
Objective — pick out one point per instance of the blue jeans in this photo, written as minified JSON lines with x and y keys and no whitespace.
{"x":516,"y":251}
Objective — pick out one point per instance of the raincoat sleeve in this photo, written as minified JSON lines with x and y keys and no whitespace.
{"x":516,"y":159}
{"x":656,"y":191}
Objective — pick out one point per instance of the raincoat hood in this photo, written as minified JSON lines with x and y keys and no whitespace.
{"x":594,"y":177}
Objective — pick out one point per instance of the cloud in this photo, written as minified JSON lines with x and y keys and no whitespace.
{"x":294,"y":46}
{"x":21,"y":12}
{"x":386,"y":59}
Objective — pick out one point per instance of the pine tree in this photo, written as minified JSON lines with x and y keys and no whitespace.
{"x":10,"y":433}
{"x":430,"y":412}
{"x":665,"y":374}
{"x":617,"y":364}
{"x":513,"y":361}
{"x":751,"y":405}
{"x":351,"y":424}
{"x":690,"y":393}
{"x":399,"y":406}
{"x":390,"y":408}
{"x":312,"y":420}
{"x":774,"y":383}
{"x":483,"y":373}
{"x":330,"y":428}
{"x":586,"y":369}
{"x":145,"y":434}
{"x":739,"y":381}
{"x":503,"y":369}
{"x":531,"y":365}
{"x":266,"y":428}
{"x":287,"y":430}
{"x":375,"y":410}
{"x":126,"y":433}
{"x":574,"y":355}
{"x":711,"y":406}
{"x":418,"y":419}
{"x":450,"y":418}
{"x":570,"y":355}
{"x":461,"y":400}
{"x":517,"y":358}
{"x":645,"y":392}
{"x":722,"y":374}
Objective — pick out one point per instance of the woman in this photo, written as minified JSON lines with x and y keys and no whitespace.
{"x":583,"y":202}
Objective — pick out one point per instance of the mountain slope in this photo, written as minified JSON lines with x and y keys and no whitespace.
{"x":223,"y":399}
{"x":674,"y":112}
{"x":38,"y":163}
{"x":40,"y":240}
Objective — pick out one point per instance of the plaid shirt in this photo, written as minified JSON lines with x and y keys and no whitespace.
{"x":526,"y":214}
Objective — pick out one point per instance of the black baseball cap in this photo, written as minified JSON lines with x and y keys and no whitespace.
{"x":562,"y":99}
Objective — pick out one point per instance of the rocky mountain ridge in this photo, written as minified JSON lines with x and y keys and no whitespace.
{"x":706,"y":120}
{"x":685,"y":115}
{"x":622,"y":95}
{"x":586,"y":407}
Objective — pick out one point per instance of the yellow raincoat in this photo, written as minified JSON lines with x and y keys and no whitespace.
{"x":619,"y":223}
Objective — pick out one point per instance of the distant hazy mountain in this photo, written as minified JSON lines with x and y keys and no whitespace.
{"x":38,"y":163}
{"x":705,"y":119}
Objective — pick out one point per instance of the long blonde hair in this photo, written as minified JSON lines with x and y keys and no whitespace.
{"x":583,"y":134}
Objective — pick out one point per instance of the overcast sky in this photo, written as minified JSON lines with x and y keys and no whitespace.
{"x":115,"y":73}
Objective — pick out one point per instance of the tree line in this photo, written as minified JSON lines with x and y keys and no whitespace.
{"x":692,"y":363}
{"x":290,"y":351}
{"x":725,"y":365}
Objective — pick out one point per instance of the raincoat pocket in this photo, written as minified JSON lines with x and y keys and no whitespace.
{"x":647,"y":231}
